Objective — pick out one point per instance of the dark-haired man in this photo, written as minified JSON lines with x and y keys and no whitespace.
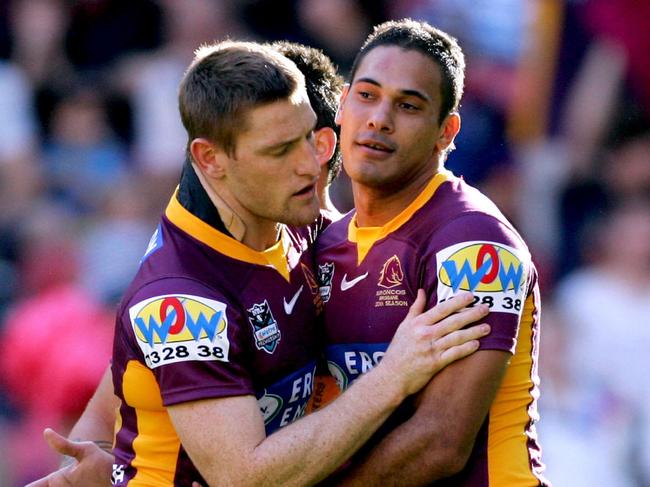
{"x":416,"y":225}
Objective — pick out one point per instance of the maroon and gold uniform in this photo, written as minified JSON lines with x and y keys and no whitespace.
{"x":208,"y":317}
{"x":450,"y":238}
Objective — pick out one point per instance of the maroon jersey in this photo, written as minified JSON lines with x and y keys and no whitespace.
{"x":208,"y":317}
{"x":451,"y":238}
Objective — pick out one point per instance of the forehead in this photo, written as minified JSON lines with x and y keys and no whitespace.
{"x":277,"y":122}
{"x":395,"y":68}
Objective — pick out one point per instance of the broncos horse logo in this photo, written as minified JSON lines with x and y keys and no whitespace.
{"x":325,"y":276}
{"x":391,"y":274}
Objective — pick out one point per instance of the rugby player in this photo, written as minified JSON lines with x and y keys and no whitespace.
{"x":416,"y":225}
{"x":85,"y":463}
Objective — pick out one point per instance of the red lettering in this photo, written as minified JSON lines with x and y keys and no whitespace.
{"x":488,"y":251}
{"x":176,"y":305}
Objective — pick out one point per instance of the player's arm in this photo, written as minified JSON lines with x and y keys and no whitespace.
{"x":88,"y":458}
{"x":437,"y":440}
{"x":311,"y":448}
{"x":98,"y":419}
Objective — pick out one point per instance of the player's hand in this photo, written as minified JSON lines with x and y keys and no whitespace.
{"x":425,"y":342}
{"x":90,"y":465}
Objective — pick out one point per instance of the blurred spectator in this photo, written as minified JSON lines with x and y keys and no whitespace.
{"x":102,"y":31}
{"x":82,"y":158}
{"x":624,"y":23}
{"x":586,"y":430}
{"x":18,"y":142}
{"x":622,"y":172}
{"x":605,"y":308}
{"x":150,"y":81}
{"x":55,"y":344}
{"x":337,"y":26}
{"x":116,"y":240}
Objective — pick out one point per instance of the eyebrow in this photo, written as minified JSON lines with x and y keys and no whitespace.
{"x":278,"y":145}
{"x":406,"y":92}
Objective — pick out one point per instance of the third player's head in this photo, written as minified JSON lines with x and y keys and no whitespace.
{"x":324,"y":86}
{"x":250,"y":129}
{"x":398,"y":115}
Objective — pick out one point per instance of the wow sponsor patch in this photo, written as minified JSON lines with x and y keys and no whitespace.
{"x":496,"y":273}
{"x":179,"y":328}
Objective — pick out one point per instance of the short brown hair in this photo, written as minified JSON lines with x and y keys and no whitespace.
{"x":227,"y":79}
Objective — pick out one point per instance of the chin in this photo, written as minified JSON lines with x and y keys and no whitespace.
{"x":302,"y":217}
{"x":372,"y":179}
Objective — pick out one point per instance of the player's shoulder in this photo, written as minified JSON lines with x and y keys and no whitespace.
{"x":178,"y":293}
{"x":335,"y":230}
{"x":463,"y":213}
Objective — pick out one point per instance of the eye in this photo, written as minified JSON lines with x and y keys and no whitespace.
{"x":408,"y":106}
{"x":281,"y":151}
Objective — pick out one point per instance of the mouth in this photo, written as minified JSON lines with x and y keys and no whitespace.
{"x":308,"y":190}
{"x":376,"y":145}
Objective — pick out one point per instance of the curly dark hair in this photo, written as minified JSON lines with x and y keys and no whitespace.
{"x":324,"y":86}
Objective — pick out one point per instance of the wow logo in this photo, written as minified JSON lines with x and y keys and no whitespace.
{"x":178,"y":318}
{"x":481,"y":267}
{"x":180,"y":328}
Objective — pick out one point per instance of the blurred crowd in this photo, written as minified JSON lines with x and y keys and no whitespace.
{"x":555,"y":130}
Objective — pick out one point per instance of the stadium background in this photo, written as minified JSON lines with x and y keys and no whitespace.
{"x":555,"y":130}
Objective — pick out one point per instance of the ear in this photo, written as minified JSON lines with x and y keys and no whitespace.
{"x":448,"y":131}
{"x":211,"y":160}
{"x":344,"y":95}
{"x":325,"y":143}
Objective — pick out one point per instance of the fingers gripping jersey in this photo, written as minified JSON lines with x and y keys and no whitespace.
{"x":207,"y":317}
{"x":451,"y":238}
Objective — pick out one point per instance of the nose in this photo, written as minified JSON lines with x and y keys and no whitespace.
{"x":380,"y":118}
{"x":307,"y":164}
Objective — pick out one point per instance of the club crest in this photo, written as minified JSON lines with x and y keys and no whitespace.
{"x":265,"y":328}
{"x":391,"y":274}
{"x":325,"y":276}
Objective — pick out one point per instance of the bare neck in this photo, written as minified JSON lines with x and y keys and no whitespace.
{"x":256,"y":233}
{"x":377,"y":206}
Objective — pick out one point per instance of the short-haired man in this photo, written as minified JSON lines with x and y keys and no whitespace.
{"x":416,"y":225}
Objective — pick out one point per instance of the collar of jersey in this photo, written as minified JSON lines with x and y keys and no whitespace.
{"x":365,"y":237}
{"x":275,"y":256}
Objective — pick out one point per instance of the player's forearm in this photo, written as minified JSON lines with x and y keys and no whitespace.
{"x":407,"y":457}
{"x":302,"y":453}
{"x":436,"y":442}
{"x":98,"y":419}
{"x":321,"y":442}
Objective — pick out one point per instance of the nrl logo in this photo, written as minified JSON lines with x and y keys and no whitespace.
{"x":265,"y":328}
{"x":325,"y":275}
{"x":391,"y":274}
